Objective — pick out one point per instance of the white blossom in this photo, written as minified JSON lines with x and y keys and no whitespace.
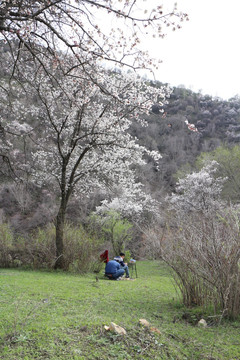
{"x":198,"y":191}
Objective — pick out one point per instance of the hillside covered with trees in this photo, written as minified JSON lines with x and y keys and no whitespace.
{"x":217,"y":123}
{"x":26,"y":206}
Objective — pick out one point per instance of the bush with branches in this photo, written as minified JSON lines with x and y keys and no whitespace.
{"x":202,"y":243}
{"x":204,"y":253}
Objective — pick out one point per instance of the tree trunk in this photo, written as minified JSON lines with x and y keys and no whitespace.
{"x":59,"y":263}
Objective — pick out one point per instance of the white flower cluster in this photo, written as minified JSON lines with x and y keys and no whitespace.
{"x":199,"y":191}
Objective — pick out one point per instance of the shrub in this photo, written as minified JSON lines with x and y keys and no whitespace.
{"x":81,"y":249}
{"x":127,"y":256}
{"x":6,"y":246}
{"x":204,"y":252}
{"x":36,"y":250}
{"x":115,"y":229}
{"x":42,"y":248}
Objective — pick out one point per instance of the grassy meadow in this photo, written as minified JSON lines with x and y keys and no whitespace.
{"x":56,"y":315}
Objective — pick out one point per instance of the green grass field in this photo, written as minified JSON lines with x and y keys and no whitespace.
{"x":55,"y":315}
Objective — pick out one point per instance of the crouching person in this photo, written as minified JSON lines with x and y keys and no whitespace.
{"x":124,"y":266}
{"x":113,"y":270}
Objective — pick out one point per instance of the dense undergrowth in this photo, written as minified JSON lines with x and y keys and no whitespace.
{"x":57,"y":315}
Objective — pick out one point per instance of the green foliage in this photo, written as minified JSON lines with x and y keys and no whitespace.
{"x":228,"y":159}
{"x":115,"y":229}
{"x":38,"y":251}
{"x":127,"y":256}
{"x":183,"y":171}
{"x":61,"y":316}
{"x":81,"y":250}
{"x":41,"y":246}
{"x":6,"y":245}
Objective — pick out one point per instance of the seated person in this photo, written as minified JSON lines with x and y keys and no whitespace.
{"x":124,"y":265}
{"x":113,"y":270}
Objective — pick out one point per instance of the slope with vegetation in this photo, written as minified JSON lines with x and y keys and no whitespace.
{"x":217,"y":121}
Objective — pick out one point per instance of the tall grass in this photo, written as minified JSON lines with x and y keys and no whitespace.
{"x":6,"y":245}
{"x":38,"y":250}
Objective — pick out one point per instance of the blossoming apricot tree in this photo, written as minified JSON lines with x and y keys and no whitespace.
{"x":77,"y":133}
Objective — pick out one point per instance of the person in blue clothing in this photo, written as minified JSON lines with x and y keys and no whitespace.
{"x":113,"y":270}
{"x":122,"y":263}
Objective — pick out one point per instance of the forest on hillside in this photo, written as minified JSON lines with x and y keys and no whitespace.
{"x":217,"y":122}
